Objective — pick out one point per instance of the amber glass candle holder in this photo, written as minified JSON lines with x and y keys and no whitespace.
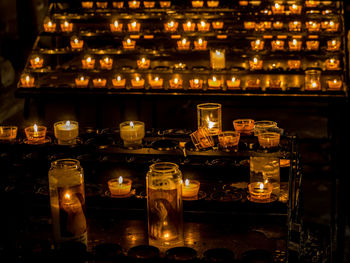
{"x":134,"y":4}
{"x":118,"y":4}
{"x":118,"y":82}
{"x":176,"y":83}
{"x":313,"y":79}
{"x":35,"y":134}
{"x":333,"y":45}
{"x":217,"y":24}
{"x":88,"y":62}
{"x":76,"y":43}
{"x":260,"y":192}
{"x":332,"y":64}
{"x":200,"y":44}
{"x":66,"y":27}
{"x":102,"y":4}
{"x":149,"y":4}
{"x":312,"y":45}
{"x":190,"y":189}
{"x":295,"y":45}
{"x":165,"y":4}
{"x":129,"y":44}
{"x":27,"y":81}
{"x":116,"y":26}
{"x":36,"y":61}
{"x":214,"y":83}
{"x":81,"y":82}
{"x":143,"y":63}
{"x":87,"y":4}
{"x":275,"y":84}
{"x":294,"y":64}
{"x":253,"y":83}
{"x":106,"y":63}
{"x":189,"y":26}
{"x":202,"y":139}
{"x":295,"y":9}
{"x":264,"y":126}
{"x":196,"y":83}
{"x":156,"y":83}
{"x":209,"y":116}
{"x":333,"y":26}
{"x":171,"y":26}
{"x":203,"y":26}
{"x":277,"y":9}
{"x":294,"y":26}
{"x":257,"y":44}
{"x":8,"y":133}
{"x":134,"y":26}
{"x":138,"y":83}
{"x":277,"y":45}
{"x":99,"y":82}
{"x":183,"y":44}
{"x":277,"y":25}
{"x":212,"y":4}
{"x":249,"y":25}
{"x":244,"y":126}
{"x":229,"y":139}
{"x":217,"y":59}
{"x":233,"y":83}
{"x":197,"y":3}
{"x":312,"y":3}
{"x":335,"y":84}
{"x":49,"y":25}
{"x":313,"y":26}
{"x":255,"y":64}
{"x":120,"y":187}
{"x":269,"y":139}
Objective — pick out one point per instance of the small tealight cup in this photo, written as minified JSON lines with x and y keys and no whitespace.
{"x":120,"y":187}
{"x":201,"y":138}
{"x":190,"y":189}
{"x":244,"y":126}
{"x":35,"y":134}
{"x":8,"y":133}
{"x":263,"y":126}
{"x":269,"y":139}
{"x":229,"y":139}
{"x":66,"y":132}
{"x":260,"y":192}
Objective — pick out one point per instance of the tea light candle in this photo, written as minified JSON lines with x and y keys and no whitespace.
{"x":217,"y":25}
{"x":176,"y":83}
{"x":203,"y":26}
{"x":134,"y":26}
{"x":312,"y":45}
{"x":35,"y":134}
{"x":156,"y":83}
{"x":312,"y":3}
{"x":36,"y":62}
{"x":260,"y":191}
{"x":171,"y":26}
{"x":99,"y":82}
{"x":257,"y":44}
{"x":102,"y":4}
{"x":255,"y":64}
{"x":278,"y":25}
{"x":138,"y":83}
{"x":313,"y":26}
{"x":233,"y":83}
{"x":87,"y":4}
{"x":332,"y":26}
{"x":82,"y":82}
{"x":88,"y":62}
{"x":116,"y":26}
{"x":277,"y":9}
{"x":66,"y":132}
{"x":120,"y":187}
{"x":244,"y":126}
{"x":212,"y":4}
{"x":27,"y":81}
{"x":106,"y":63}
{"x":118,"y":82}
{"x":332,"y":64}
{"x":217,"y":59}
{"x":196,"y":83}
{"x":149,"y":4}
{"x":334,"y":84}
{"x":294,"y":64}
{"x":294,"y":45}
{"x":165,"y":4}
{"x":294,"y":26}
{"x":200,"y":44}
{"x":188,"y":26}
{"x":214,"y":83}
{"x":249,"y":25}
{"x":143,"y":63}
{"x":190,"y":188}
{"x":8,"y":133}
{"x":76,"y":43}
{"x":197,"y":4}
{"x":49,"y":26}
{"x":262,"y":26}
{"x":134,"y":4}
{"x":229,"y":139}
{"x":118,"y":4}
{"x":183,"y":44}
{"x":269,"y":139}
{"x":277,"y":45}
{"x":66,"y":27}
{"x":312,"y":84}
{"x":295,"y":9}
{"x":333,"y":45}
{"x":132,"y":133}
{"x":129,"y":44}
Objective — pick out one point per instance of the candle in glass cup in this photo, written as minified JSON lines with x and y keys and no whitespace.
{"x":295,"y":9}
{"x":176,"y":83}
{"x":196,"y":83}
{"x":102,"y":4}
{"x":120,"y":187}
{"x":203,"y":26}
{"x":253,"y":83}
{"x":211,"y":3}
{"x":49,"y":25}
{"x":275,"y":84}
{"x":313,"y":79}
{"x":81,"y":82}
{"x":243,"y":3}
{"x":183,"y":44}
{"x":312,"y":3}
{"x":333,"y":45}
{"x":171,"y":26}
{"x":277,"y":9}
{"x":277,"y":45}
{"x":88,"y":62}
{"x":260,"y":191}
{"x":118,"y":82}
{"x":134,"y":4}
{"x":256,"y":64}
{"x":214,"y":83}
{"x":217,"y":24}
{"x":188,"y":26}
{"x":244,"y":126}
{"x":8,"y":133}
{"x":36,"y":62}
{"x":294,"y":64}
{"x":165,"y":4}
{"x":35,"y":134}
{"x":197,"y":3}
{"x":134,"y":26}
{"x":66,"y":26}
{"x":257,"y":44}
{"x":143,"y":63}
{"x":313,"y":26}
{"x":202,"y":138}
{"x":149,"y":4}
{"x":332,"y":64}
{"x":233,"y":83}
{"x":27,"y":81}
{"x":217,"y":59}
{"x":335,"y":84}
{"x":99,"y":82}
{"x":116,"y":26}
{"x":277,"y":25}
{"x":190,"y":188}
{"x":200,"y":44}
{"x":312,"y":45}
{"x":332,"y":26}
{"x":249,"y":25}
{"x":132,"y":133}
{"x":129,"y":44}
{"x":138,"y":83}
{"x":106,"y":63}
{"x":295,"y":26}
{"x":66,"y":132}
{"x":209,"y":116}
{"x":269,"y":139}
{"x":87,"y":4}
{"x":118,"y":4}
{"x":156,"y":83}
{"x":294,"y":45}
{"x":229,"y":139}
{"x":76,"y":43}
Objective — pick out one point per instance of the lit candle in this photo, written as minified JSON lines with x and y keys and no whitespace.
{"x":76,"y":43}
{"x":102,"y":4}
{"x":66,"y":26}
{"x":132,"y":133}
{"x":214,"y":83}
{"x":277,"y":9}
{"x":149,"y":4}
{"x":8,"y":133}
{"x":262,"y":26}
{"x":129,"y":44}
{"x":196,"y":83}
{"x":138,"y":83}
{"x":203,"y":26}
{"x":278,"y":25}
{"x":334,"y":84}
{"x":332,"y":26}
{"x":36,"y":62}
{"x":190,"y":188}
{"x":312,"y":45}
{"x":312,"y":3}
{"x":312,"y":84}
{"x":277,"y":45}
{"x":294,"y":45}
{"x":143,"y":63}
{"x":211,"y":3}
{"x":244,"y":126}
{"x":332,"y":64}
{"x":82,"y":82}
{"x":106,"y":63}
{"x":120,"y":187}
{"x":217,"y":59}
{"x":49,"y":26}
{"x":87,"y":4}
{"x":255,"y":64}
{"x":257,"y":44}
{"x":118,"y":4}
{"x":183,"y":44}
{"x":175,"y":83}
{"x":35,"y":134}
{"x":333,"y":45}
{"x":134,"y":4}
{"x":313,"y":26}
{"x":295,"y":9}
{"x":165,"y":4}
{"x":229,"y":139}
{"x":171,"y":26}
{"x":134,"y":26}
{"x":99,"y":82}
{"x":156,"y":83}
{"x":118,"y":82}
{"x":88,"y":62}
{"x":197,"y":3}
{"x":217,"y":25}
{"x":66,"y":132}
{"x":200,"y":44}
{"x":249,"y":25}
{"x":188,"y":26}
{"x":233,"y":83}
{"x":116,"y":26}
{"x":27,"y":81}
{"x":295,"y":26}
{"x":294,"y":64}
{"x":260,"y":191}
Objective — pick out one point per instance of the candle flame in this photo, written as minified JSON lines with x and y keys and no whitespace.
{"x":200,"y":41}
{"x":143,"y":60}
{"x":119,"y":78}
{"x":116,"y":23}
{"x":202,"y":23}
{"x":218,"y":52}
{"x":128,"y":41}
{"x":314,"y":84}
{"x":210,"y":123}
{"x":233,"y":79}
{"x":334,"y":42}
{"x":65,"y":23}
{"x":106,"y":59}
{"x":67,"y":196}
{"x":99,"y":80}
{"x":332,"y":60}
{"x":37,"y":60}
{"x":335,"y":81}
{"x":27,"y":78}
{"x":67,"y":123}
{"x":187,"y":182}
{"x":294,"y":6}
{"x":176,"y":80}
{"x":189,"y":24}
{"x":171,"y":24}
{"x":294,"y":42}
{"x":82,"y":78}
{"x":49,"y":24}
{"x":132,"y":124}
{"x":137,"y":79}
{"x":214,"y":79}
{"x":88,"y":59}
{"x":133,"y":24}
{"x":156,"y":78}
{"x":120,"y":179}
{"x":35,"y":128}
{"x":255,"y":60}
{"x":196,"y":81}
{"x":331,"y":23}
{"x":184,"y":41}
{"x":278,"y":42}
{"x":296,"y":22}
{"x":261,"y":186}
{"x":257,"y":42}
{"x":277,"y":6}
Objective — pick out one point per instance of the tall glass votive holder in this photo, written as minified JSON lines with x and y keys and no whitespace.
{"x":132,"y":133}
{"x":8,"y":133}
{"x":201,"y":139}
{"x":313,"y":79}
{"x":209,"y":116}
{"x":229,"y":139}
{"x":66,"y":132}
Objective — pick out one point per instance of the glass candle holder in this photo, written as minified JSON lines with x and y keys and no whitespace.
{"x":134,"y":4}
{"x":190,"y":188}
{"x":333,"y":45}
{"x":203,"y":26}
{"x":134,"y":26}
{"x":313,"y":26}
{"x":8,"y":133}
{"x":27,"y":81}
{"x":312,"y":45}
{"x":243,"y":3}
{"x":260,"y":192}
{"x":165,"y":4}
{"x":277,"y":45}
{"x":36,"y":61}
{"x":129,"y":44}
{"x":277,"y":9}
{"x":76,"y":43}
{"x":253,"y":83}
{"x":81,"y":82}
{"x":217,"y":59}
{"x":294,"y":64}
{"x":197,"y":3}
{"x":333,"y":26}
{"x":118,"y":82}
{"x":214,"y":83}
{"x":312,"y":3}
{"x":106,"y":63}
{"x":138,"y":83}
{"x":132,"y":133}
{"x":264,"y":126}
{"x":313,"y":79}
{"x":277,"y":25}
{"x":233,"y":83}
{"x":116,"y":26}
{"x":99,"y":83}
{"x":217,"y":25}
{"x":164,"y":205}
{"x":49,"y":25}
{"x":156,"y":83}
{"x":183,"y":44}
{"x":229,"y":139}
{"x":176,"y":83}
{"x":143,"y":63}
{"x":332,"y":64}
{"x":257,"y":44}
{"x":212,"y":4}
{"x":66,"y":26}
{"x":67,"y":200}
{"x":171,"y":26}
{"x":295,"y":9}
{"x":294,"y":45}
{"x":35,"y":134}
{"x":256,"y":64}
{"x":188,"y":26}
{"x":88,"y":62}
{"x":275,"y":84}
{"x":244,"y":126}
{"x":209,"y":116}
{"x":149,"y":4}
{"x":102,"y":4}
{"x":249,"y":25}
{"x":294,"y":26}
{"x":119,"y":4}
{"x":335,"y":84}
{"x":87,"y":4}
{"x":202,"y":139}
{"x":269,"y":139}
{"x":66,"y":132}
{"x":263,"y":26}
{"x":120,"y":187}
{"x":196,"y":83}
{"x":200,"y":44}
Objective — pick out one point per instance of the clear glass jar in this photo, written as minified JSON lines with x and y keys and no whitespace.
{"x":209,"y":116}
{"x":164,"y":205}
{"x":67,"y":199}
{"x":313,"y":79}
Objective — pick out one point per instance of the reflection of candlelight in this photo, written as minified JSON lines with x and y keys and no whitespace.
{"x":294,"y":45}
{"x":183,"y":44}
{"x":165,"y":4}
{"x":214,"y":83}
{"x":87,"y":4}
{"x":188,"y":26}
{"x":106,"y":63}
{"x":138,"y":83}
{"x":197,"y":3}
{"x":134,"y":4}
{"x":203,"y":26}
{"x":36,"y":62}
{"x":49,"y":26}
{"x":119,"y":187}
{"x":233,"y":83}
{"x":176,"y":83}
{"x":171,"y":26}
{"x":116,"y":26}
{"x":257,"y":44}
{"x":81,"y":82}
{"x":190,"y":188}
{"x":217,"y":24}
{"x":99,"y":83}
{"x":134,"y":26}
{"x":260,"y":191}
{"x":200,"y":44}
{"x":312,"y":45}
{"x":294,"y":64}
{"x":277,"y":45}
{"x":88,"y":62}
{"x":334,"y":84}
{"x":332,"y":64}
{"x":118,"y":4}
{"x":255,"y":64}
{"x":295,"y":26}
{"x":196,"y":83}
{"x":143,"y":63}
{"x":27,"y":81}
{"x":76,"y":43}
{"x":118,"y":82}
{"x":295,"y":9}
{"x":156,"y":83}
{"x":66,"y":26}
{"x":129,"y":44}
{"x":277,"y":9}
{"x":333,"y":45}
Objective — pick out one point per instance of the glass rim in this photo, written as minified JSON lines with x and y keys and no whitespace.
{"x":41,"y":128}
{"x":127,"y":123}
{"x":244,"y":120}
{"x":168,"y":167}
{"x":64,"y":122}
{"x":209,"y":106}
{"x":271,"y":135}
{"x":265,"y":122}
{"x":229,"y":132}
{"x":12,"y":127}
{"x":67,"y":163}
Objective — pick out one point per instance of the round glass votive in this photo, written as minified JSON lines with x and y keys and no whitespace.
{"x":313,"y":79}
{"x":244,"y":126}
{"x":8,"y":133}
{"x":190,"y":188}
{"x":119,"y":187}
{"x":209,"y":116}
{"x":132,"y":133}
{"x":229,"y":139}
{"x":269,"y":139}
{"x":201,"y":138}
{"x":66,"y":132}
{"x":35,"y":134}
{"x":263,"y":126}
